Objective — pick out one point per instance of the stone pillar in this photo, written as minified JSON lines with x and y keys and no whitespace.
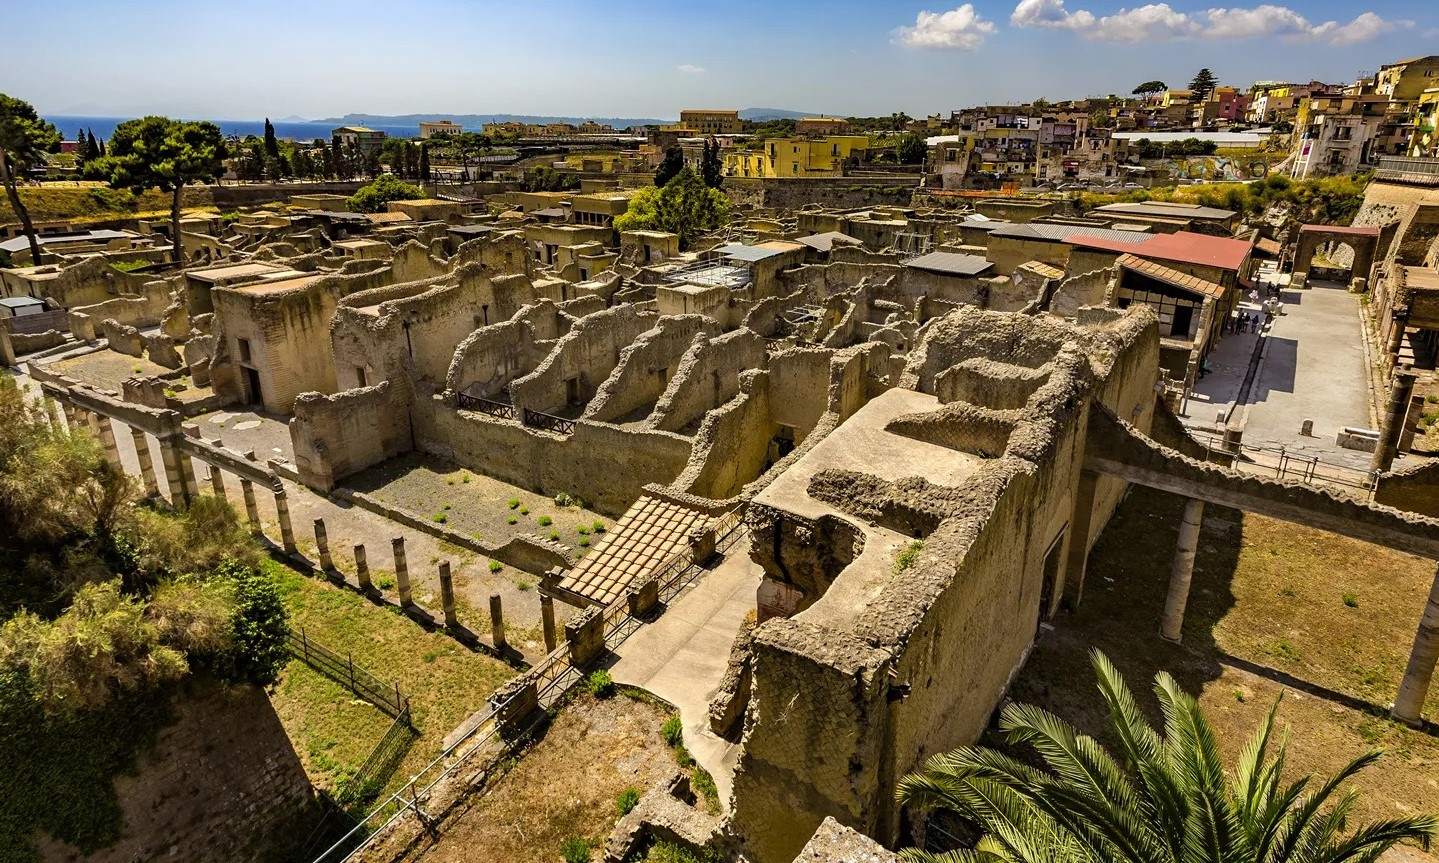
{"x":282,"y":515}
{"x":322,"y":545}
{"x":217,"y":483}
{"x":1409,"y":706}
{"x":497,"y":622}
{"x":1400,"y":389}
{"x":547,"y":618}
{"x":72,"y":415}
{"x":402,"y":570}
{"x":252,"y":510}
{"x":1076,"y":557}
{"x":1182,"y":570}
{"x":105,"y":432}
{"x":362,"y":568}
{"x":187,"y":475}
{"x":447,"y":595}
{"x":147,"y":464}
{"x":171,"y":457}
{"x":586,"y":636}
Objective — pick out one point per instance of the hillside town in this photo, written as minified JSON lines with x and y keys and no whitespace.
{"x":740,"y":487}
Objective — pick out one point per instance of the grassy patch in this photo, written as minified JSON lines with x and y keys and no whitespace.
{"x":331,"y":729}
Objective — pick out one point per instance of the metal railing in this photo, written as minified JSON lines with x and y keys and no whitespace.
{"x":554,"y":675}
{"x":464,"y":401}
{"x":344,"y":671}
{"x":548,"y":422}
{"x":1405,"y":169}
{"x":1279,"y":463}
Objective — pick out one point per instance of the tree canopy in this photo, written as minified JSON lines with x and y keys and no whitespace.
{"x":684,"y":206}
{"x":374,"y":195}
{"x":1163,"y":797}
{"x":1203,"y":84}
{"x":910,"y":149}
{"x":673,"y":162}
{"x":24,"y":139}
{"x":160,"y":153}
{"x":1150,"y":87}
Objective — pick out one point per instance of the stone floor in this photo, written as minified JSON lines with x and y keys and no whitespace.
{"x":682,"y":656}
{"x":1313,"y":369}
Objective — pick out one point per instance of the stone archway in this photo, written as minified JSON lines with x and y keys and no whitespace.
{"x":1361,"y":244}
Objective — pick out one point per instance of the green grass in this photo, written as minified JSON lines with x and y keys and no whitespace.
{"x":333,"y":731}
{"x":907,"y":556}
{"x":627,"y":801}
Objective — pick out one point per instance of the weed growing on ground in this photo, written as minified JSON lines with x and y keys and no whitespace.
{"x":513,"y":503}
{"x":673,"y":731}
{"x":439,"y":518}
{"x":584,"y":542}
{"x":512,"y":520}
{"x":583,"y":530}
{"x":545,"y":521}
{"x":496,"y":566}
{"x":576,"y":850}
{"x":600,"y":683}
{"x":1351,"y":600}
{"x":907,"y":556}
{"x":598,"y":526}
{"x":524,"y":510}
{"x":627,"y":801}
{"x":554,"y":534}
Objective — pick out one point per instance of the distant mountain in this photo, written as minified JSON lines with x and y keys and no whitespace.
{"x":292,"y":119}
{"x":759,"y":115}
{"x":475,"y":121}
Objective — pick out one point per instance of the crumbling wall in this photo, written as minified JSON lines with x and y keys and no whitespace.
{"x":707,"y":376}
{"x":645,"y":367}
{"x":337,"y":435}
{"x":491,"y":357}
{"x":1075,"y":292}
{"x":732,"y":444}
{"x":1413,"y":487}
{"x":143,"y":310}
{"x":413,"y":262}
{"x":586,"y":355}
{"x":604,"y":465}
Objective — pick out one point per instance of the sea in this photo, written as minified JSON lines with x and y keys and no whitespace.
{"x":103,"y":127}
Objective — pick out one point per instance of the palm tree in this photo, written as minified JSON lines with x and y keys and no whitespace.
{"x":1166,"y":798}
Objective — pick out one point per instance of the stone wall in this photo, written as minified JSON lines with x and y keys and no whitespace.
{"x":604,"y":465}
{"x":645,"y":367}
{"x":337,"y":435}
{"x":836,"y":192}
{"x":1087,"y":289}
{"x":221,"y":784}
{"x":586,"y":354}
{"x":1413,"y":487}
{"x":707,"y":376}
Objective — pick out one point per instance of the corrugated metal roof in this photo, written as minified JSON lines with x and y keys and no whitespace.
{"x":20,"y":243}
{"x":951,"y":263}
{"x":1165,"y":208}
{"x":749,"y":254}
{"x":1063,"y":233}
{"x":1170,"y":276}
{"x":825,"y":242}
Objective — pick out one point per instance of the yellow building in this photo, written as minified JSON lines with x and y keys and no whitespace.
{"x":711,"y":122}
{"x":1175,"y":97}
{"x":821,"y":126}
{"x":797,"y":157}
{"x":440,"y":127}
{"x":1424,"y":141}
{"x":1407,"y":80}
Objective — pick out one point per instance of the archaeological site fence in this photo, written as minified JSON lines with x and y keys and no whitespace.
{"x":344,"y":671}
{"x":553,"y":676}
{"x":1277,"y":462}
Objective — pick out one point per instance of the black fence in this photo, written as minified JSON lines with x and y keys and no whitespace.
{"x":344,"y":671}
{"x":548,"y":422}
{"x":484,"y":405}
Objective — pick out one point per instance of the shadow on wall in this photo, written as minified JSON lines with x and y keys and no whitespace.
{"x":221,"y":782}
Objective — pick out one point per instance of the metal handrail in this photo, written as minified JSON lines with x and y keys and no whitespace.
{"x":1284,"y":464}
{"x":548,"y":422}
{"x":494,"y":408}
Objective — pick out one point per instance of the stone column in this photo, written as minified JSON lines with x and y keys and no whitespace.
{"x":1076,"y":557}
{"x":447,"y":595}
{"x":547,"y":618}
{"x":282,"y":515}
{"x":217,"y":483}
{"x":497,"y":622}
{"x":362,"y":568}
{"x":1409,"y":706}
{"x":105,"y":432}
{"x":171,"y":457}
{"x":402,"y":570}
{"x":72,"y":415}
{"x":1182,"y":570}
{"x":187,"y":475}
{"x":57,"y":418}
{"x":1400,"y":389}
{"x":322,"y":545}
{"x":252,"y":510}
{"x":147,"y":464}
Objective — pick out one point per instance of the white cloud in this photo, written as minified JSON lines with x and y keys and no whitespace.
{"x":960,"y":27}
{"x":1162,"y":22}
{"x":690,"y":69}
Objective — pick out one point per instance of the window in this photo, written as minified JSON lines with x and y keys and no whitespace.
{"x":243,"y":348}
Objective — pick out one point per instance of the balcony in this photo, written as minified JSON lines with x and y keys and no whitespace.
{"x":1418,"y":171}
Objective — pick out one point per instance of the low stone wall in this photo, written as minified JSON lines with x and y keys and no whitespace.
{"x":1414,"y":488}
{"x":337,"y":435}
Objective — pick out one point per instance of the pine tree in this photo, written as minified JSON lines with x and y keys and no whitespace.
{"x":712,"y":168}
{"x":272,"y":146}
{"x":670,"y":167}
{"x":92,"y":147}
{"x":1202,"y":85}
{"x":424,"y":162}
{"x":82,"y":153}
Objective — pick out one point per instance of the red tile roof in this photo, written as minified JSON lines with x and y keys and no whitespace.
{"x":1188,"y":247}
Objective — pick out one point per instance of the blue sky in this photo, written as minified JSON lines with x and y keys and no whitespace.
{"x":316,"y":58}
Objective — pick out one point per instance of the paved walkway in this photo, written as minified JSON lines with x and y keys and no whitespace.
{"x":1313,"y":368}
{"x":682,"y":656}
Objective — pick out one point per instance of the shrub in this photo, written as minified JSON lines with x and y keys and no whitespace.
{"x":439,"y":518}
{"x":524,"y":510}
{"x":627,"y":801}
{"x":598,"y":526}
{"x":513,"y":503}
{"x":373,"y":196}
{"x":704,"y":786}
{"x":600,"y":684}
{"x":545,"y":521}
{"x":673,"y":731}
{"x":576,"y":849}
{"x":512,"y":520}
{"x":554,"y":534}
{"x":584,"y":542}
{"x":582,"y":530}
{"x":496,"y":566}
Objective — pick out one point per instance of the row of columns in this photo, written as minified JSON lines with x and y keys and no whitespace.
{"x":1418,"y":674}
